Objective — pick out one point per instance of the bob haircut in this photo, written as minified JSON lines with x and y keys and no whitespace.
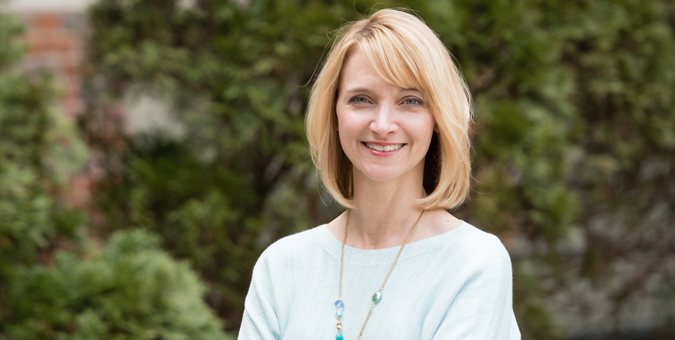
{"x":405,"y":52}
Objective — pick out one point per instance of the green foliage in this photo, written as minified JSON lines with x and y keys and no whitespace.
{"x":573,"y":136}
{"x":128,"y":290}
{"x":37,"y":151}
{"x":242,"y":174}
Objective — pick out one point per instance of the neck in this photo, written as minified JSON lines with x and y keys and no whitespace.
{"x":385,"y":211}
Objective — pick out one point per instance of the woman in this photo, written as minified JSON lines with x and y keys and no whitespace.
{"x":387,"y":124}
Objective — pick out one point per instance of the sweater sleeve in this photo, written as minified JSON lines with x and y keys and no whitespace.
{"x":260,"y":320}
{"x":483,"y":308}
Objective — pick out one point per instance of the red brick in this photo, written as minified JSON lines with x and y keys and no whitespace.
{"x":72,"y":107}
{"x":73,"y":88}
{"x":46,"y":20}
{"x":80,"y":190}
{"x":71,"y":70}
{"x":73,"y":58}
{"x":43,"y":40}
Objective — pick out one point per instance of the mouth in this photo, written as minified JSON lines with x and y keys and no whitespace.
{"x":380,"y":148}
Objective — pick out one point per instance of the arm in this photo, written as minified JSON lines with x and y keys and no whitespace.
{"x":260,"y":318}
{"x":483,"y":307}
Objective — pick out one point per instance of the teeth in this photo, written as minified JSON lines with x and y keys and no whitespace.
{"x":384,"y":148}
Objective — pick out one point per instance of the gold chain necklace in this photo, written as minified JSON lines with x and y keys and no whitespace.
{"x":377,"y":297}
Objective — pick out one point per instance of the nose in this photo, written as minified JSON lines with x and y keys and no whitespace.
{"x":383,"y":122}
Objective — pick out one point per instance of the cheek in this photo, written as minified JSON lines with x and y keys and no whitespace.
{"x":422,"y":129}
{"x":430,"y":125}
{"x":348,"y":140}
{"x":344,"y":131}
{"x":348,"y":126}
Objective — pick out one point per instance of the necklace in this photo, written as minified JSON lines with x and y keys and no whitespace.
{"x":377,"y":297}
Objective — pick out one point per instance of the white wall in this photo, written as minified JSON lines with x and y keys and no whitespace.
{"x":23,"y":6}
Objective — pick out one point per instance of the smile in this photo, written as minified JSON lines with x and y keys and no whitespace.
{"x":380,"y":148}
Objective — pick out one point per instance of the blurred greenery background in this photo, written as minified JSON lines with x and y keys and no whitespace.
{"x":573,"y":156}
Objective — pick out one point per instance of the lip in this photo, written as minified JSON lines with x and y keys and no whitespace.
{"x":383,"y":153}
{"x":382,"y":144}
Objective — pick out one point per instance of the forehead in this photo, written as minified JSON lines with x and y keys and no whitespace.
{"x":392,"y":63}
{"x":357,"y":72}
{"x":355,"y":68}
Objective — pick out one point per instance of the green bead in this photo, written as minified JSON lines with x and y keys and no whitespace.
{"x":377,"y":297}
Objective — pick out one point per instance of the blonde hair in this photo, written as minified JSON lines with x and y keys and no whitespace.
{"x":405,"y":52}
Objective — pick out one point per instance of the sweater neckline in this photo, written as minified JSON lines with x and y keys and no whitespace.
{"x":333,"y":246}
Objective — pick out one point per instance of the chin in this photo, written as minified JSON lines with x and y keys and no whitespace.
{"x":381,"y":175}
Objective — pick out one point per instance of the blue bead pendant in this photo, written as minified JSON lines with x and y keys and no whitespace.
{"x":340,"y":307}
{"x":377,"y":297}
{"x":338,"y":314}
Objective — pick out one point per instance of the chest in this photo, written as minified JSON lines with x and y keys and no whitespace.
{"x":409,"y":308}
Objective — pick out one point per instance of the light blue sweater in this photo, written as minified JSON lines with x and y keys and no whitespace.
{"x":457,"y":285}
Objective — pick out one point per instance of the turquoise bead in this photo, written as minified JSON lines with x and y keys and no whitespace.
{"x":377,"y":297}
{"x":338,"y":336}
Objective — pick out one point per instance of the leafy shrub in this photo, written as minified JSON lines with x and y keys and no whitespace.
{"x":130,"y":289}
{"x":38,"y":150}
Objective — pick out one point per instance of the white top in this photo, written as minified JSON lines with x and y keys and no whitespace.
{"x":456,"y":285}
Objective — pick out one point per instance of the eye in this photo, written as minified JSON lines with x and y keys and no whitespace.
{"x":412,"y":101}
{"x":359,"y":100}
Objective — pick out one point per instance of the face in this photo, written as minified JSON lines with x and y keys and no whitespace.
{"x":385,"y":130}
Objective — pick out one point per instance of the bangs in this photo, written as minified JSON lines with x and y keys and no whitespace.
{"x":392,"y":58}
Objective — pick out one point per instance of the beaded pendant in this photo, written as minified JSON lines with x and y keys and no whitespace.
{"x":377,"y":297}
{"x":338,"y":314}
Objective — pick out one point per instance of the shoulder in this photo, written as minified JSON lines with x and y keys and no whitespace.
{"x":290,"y":249}
{"x":484,"y":250}
{"x":282,"y":264}
{"x":480,"y":240}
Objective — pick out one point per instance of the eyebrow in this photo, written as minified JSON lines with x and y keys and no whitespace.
{"x":365,"y":90}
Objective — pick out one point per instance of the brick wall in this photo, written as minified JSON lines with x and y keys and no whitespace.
{"x":55,"y":43}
